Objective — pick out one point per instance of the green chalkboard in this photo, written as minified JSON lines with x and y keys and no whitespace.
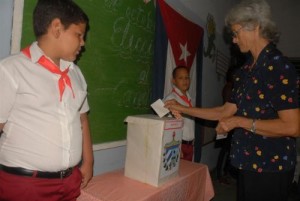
{"x":116,"y":63}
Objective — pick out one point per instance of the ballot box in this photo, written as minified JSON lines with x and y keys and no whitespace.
{"x":153,"y":148}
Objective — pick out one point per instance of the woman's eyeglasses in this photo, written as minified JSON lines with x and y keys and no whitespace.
{"x":236,"y":32}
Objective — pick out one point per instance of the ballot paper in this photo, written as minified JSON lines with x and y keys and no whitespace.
{"x":221,"y":136}
{"x":158,"y":107}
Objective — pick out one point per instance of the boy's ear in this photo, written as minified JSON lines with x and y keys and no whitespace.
{"x":173,"y":81}
{"x":56,"y":27}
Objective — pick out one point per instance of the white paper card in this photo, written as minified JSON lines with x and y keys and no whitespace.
{"x":158,"y":107}
{"x":221,"y":136}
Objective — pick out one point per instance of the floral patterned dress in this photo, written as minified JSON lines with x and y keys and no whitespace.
{"x":260,"y":92}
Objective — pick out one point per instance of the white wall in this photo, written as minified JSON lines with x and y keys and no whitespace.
{"x":286,"y":15}
{"x":108,"y":159}
{"x":6,"y":15}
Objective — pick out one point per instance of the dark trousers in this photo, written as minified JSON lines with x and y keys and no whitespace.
{"x":223,"y":163}
{"x":187,"y":152}
{"x":253,"y":186}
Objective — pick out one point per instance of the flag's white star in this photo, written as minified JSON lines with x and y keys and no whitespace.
{"x":184,"y":52}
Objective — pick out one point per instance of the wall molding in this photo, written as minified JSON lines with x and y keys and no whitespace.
{"x":17,"y":26}
{"x":109,"y":145}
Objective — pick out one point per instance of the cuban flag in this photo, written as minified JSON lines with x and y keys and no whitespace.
{"x":178,"y":41}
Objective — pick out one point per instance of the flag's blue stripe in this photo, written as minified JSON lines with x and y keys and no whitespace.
{"x":160,"y":57}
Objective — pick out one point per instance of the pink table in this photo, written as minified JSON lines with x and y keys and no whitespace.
{"x":192,"y":184}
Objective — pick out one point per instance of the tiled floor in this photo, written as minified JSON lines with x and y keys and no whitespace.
{"x":224,"y":192}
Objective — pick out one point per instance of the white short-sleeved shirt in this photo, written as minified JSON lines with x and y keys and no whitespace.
{"x":188,"y":121}
{"x":41,"y":132}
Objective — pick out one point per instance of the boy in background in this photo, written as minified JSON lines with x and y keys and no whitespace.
{"x":181,"y":84}
{"x":43,"y":110}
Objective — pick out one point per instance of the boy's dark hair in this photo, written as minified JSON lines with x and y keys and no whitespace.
{"x":47,"y":10}
{"x":177,"y":68}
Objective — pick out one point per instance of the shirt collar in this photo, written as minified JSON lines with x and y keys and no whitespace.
{"x":180,"y":93}
{"x":267,"y":50}
{"x":36,"y":53}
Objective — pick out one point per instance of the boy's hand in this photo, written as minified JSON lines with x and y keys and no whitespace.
{"x":87,"y":174}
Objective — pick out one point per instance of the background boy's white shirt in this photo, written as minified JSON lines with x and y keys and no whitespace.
{"x":189,"y":122}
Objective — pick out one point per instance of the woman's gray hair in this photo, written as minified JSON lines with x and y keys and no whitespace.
{"x":252,"y":13}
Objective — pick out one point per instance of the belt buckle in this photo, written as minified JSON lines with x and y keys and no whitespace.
{"x":62,"y":174}
{"x":65,"y":173}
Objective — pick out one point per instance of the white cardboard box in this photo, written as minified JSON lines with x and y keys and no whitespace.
{"x":153,"y":148}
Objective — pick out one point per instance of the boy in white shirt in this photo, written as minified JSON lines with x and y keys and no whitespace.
{"x":181,"y":84}
{"x":46,"y":149}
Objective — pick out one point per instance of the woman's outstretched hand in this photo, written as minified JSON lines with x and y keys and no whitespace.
{"x":174,"y":107}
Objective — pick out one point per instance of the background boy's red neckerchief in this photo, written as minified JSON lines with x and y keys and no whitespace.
{"x":184,"y":98}
{"x":46,"y":63}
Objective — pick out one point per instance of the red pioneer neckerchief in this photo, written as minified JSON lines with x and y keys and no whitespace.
{"x":64,"y":78}
{"x":183,"y":97}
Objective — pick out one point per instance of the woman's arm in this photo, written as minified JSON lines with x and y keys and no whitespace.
{"x":215,"y":113}
{"x":287,"y":124}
